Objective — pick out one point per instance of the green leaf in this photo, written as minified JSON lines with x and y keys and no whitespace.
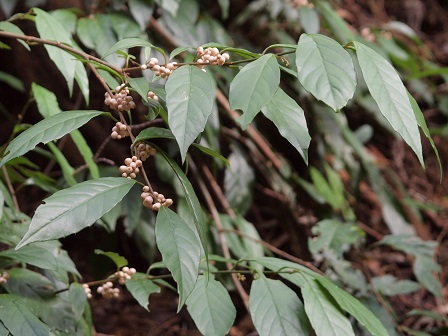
{"x":27,"y":283}
{"x":50,"y":28}
{"x":12,"y":81}
{"x":47,"y":103}
{"x":325,"y":69}
{"x":142,"y":12}
{"x":422,"y":123}
{"x":210,"y":306}
{"x":141,"y":85}
{"x":325,"y":317}
{"x":424,"y":269}
{"x":190,"y":96}
{"x":73,"y":209}
{"x":290,"y":120}
{"x":337,"y":24}
{"x":387,"y":89}
{"x":34,"y":255}
{"x":19,"y":319}
{"x":78,"y":299}
{"x":141,"y":288}
{"x":192,"y":200}
{"x":86,"y":153}
{"x":47,"y":130}
{"x":275,"y":309}
{"x":130,"y":43}
{"x":180,"y":249}
{"x":179,"y":50}
{"x":12,"y":28}
{"x":390,"y":285}
{"x":118,"y":260}
{"x":253,"y":87}
{"x":309,"y":20}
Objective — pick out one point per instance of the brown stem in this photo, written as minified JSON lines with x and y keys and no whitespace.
{"x":11,"y":188}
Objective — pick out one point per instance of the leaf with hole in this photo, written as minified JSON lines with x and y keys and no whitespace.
{"x":180,"y":249}
{"x":210,"y":306}
{"x":70,"y":210}
{"x":190,"y":96}
{"x":254,"y":86}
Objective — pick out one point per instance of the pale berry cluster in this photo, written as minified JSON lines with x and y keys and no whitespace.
{"x":4,"y":278}
{"x":125,"y":274}
{"x":300,"y":3}
{"x":152,"y":95}
{"x":108,"y":291}
{"x":131,"y":167}
{"x":121,"y":100}
{"x":144,"y":151}
{"x":159,"y":70}
{"x":211,"y":56}
{"x":88,"y":291}
{"x":155,"y":200}
{"x":367,"y":34}
{"x":119,"y":131}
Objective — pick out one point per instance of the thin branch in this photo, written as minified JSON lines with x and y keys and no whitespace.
{"x":11,"y":188}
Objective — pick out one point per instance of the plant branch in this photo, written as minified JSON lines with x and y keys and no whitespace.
{"x":11,"y":188}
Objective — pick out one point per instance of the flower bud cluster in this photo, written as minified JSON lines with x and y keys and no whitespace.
{"x":211,"y":56}
{"x":121,"y":100}
{"x":300,"y":3}
{"x":131,"y":166}
{"x":125,"y":274}
{"x":152,"y":95}
{"x":155,"y":200}
{"x":159,"y":70}
{"x":107,"y":291}
{"x":4,"y":278}
{"x":119,"y":131}
{"x":144,"y":151}
{"x":88,"y":291}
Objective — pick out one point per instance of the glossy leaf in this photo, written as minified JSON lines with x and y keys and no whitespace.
{"x":325,"y":69}
{"x":192,"y":200}
{"x":47,"y":130}
{"x":210,"y":306}
{"x":118,"y":260}
{"x":141,"y":288}
{"x":387,"y":89}
{"x":275,"y":309}
{"x":73,"y":209}
{"x":78,"y":299}
{"x":290,"y":121}
{"x":253,"y":87}
{"x":19,"y":319}
{"x":130,"y":42}
{"x":190,"y":96}
{"x":180,"y":249}
{"x":325,"y":317}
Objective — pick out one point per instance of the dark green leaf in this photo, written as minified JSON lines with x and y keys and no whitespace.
{"x":210,"y":306}
{"x":141,"y":288}
{"x":47,"y":130}
{"x":118,"y":260}
{"x":253,"y":87}
{"x":325,"y":69}
{"x":78,"y":299}
{"x":190,"y":96}
{"x":33,"y":255}
{"x":47,"y":103}
{"x":12,"y":81}
{"x":73,"y":209}
{"x":130,"y":43}
{"x":290,"y":120}
{"x":387,"y":89}
{"x":67,"y":170}
{"x":390,"y":286}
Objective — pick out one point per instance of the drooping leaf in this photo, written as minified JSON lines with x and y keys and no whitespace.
{"x":86,"y":153}
{"x":309,"y":19}
{"x":141,"y":288}
{"x":73,"y":209}
{"x":130,"y":42}
{"x":253,"y":87}
{"x":12,"y":81}
{"x":335,"y":21}
{"x":424,"y":269}
{"x":190,"y":97}
{"x":275,"y":309}
{"x":210,"y":306}
{"x":27,"y":283}
{"x":387,"y":89}
{"x":34,"y":255}
{"x":12,"y":28}
{"x":325,"y":317}
{"x":290,"y":120}
{"x":325,"y":69}
{"x":67,"y":170}
{"x":118,"y":260}
{"x":19,"y":319}
{"x":142,"y":11}
{"x":192,"y":200}
{"x":180,"y":249}
{"x":390,"y":286}
{"x":47,"y":103}
{"x":47,"y":130}
{"x":78,"y":299}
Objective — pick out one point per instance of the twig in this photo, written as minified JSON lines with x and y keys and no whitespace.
{"x":11,"y":188}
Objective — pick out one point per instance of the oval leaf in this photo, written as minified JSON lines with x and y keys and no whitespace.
{"x":117,"y":259}
{"x":290,"y":120}
{"x":131,"y":43}
{"x":325,"y":69}
{"x":141,"y":288}
{"x":33,"y":255}
{"x":210,"y":306}
{"x":190,"y":94}
{"x":275,"y":309}
{"x":73,"y":209}
{"x":253,"y":87}
{"x":46,"y":130}
{"x":180,"y":249}
{"x":78,"y":299}
{"x":388,"y":91}
{"x":19,"y":319}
